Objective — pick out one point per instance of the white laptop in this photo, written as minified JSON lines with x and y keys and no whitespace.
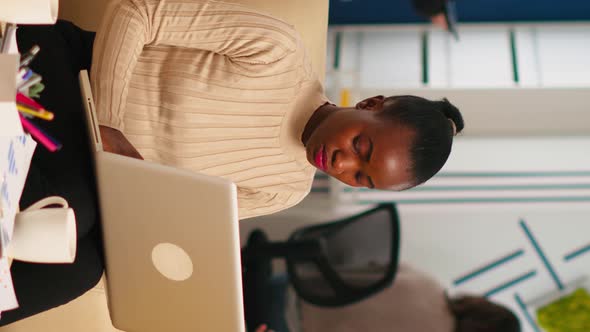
{"x":171,"y":241}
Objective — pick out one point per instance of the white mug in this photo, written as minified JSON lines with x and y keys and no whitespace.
{"x":44,"y":235}
{"x":29,"y":11}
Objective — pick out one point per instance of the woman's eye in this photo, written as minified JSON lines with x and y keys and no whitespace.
{"x":355,"y":144}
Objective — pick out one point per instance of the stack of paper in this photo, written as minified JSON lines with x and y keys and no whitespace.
{"x":9,"y":122}
{"x":16,"y":152}
{"x":7,"y":296}
{"x":15,"y":157}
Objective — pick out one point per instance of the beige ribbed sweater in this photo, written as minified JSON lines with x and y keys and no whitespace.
{"x":213,"y":87}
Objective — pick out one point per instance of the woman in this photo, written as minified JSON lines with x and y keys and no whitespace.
{"x":219,"y":89}
{"x":223,"y":90}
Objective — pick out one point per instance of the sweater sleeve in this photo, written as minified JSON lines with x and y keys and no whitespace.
{"x":255,"y":203}
{"x":245,"y":36}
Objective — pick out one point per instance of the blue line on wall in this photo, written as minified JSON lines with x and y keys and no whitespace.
{"x":488,"y":267}
{"x":510,"y":283}
{"x":337,"y":49}
{"x":542,"y":255}
{"x":319,"y":175}
{"x":480,"y":187}
{"x":514,"y":174}
{"x":465,"y":200}
{"x":526,"y":313}
{"x":578,"y":252}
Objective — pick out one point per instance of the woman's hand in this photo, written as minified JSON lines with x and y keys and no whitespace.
{"x":114,"y":141}
{"x":440,"y":21}
{"x":263,"y":328}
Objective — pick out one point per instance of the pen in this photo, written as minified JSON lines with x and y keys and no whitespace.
{"x":49,"y":143}
{"x":24,"y":100}
{"x":22,"y":71}
{"x":25,"y":76}
{"x":42,"y":114}
{"x":8,"y":32}
{"x":34,"y":79}
{"x":26,"y":58}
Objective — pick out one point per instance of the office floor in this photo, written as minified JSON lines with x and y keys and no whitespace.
{"x":513,"y":254}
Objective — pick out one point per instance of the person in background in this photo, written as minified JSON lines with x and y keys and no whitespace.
{"x":223,"y":90}
{"x":414,"y":302}
{"x":263,"y":328}
{"x":440,"y":12}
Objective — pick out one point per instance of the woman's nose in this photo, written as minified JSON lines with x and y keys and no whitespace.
{"x":344,"y":162}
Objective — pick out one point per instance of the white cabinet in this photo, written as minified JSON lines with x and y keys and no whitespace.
{"x":563,"y":55}
{"x":516,"y":80}
{"x":482,"y":58}
{"x":390,"y":58}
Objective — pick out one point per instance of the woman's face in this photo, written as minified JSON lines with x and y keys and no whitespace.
{"x":361,"y":149}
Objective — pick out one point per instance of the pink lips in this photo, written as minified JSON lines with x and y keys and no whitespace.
{"x":320,"y":158}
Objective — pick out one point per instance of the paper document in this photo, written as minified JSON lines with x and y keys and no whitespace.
{"x":8,"y":299}
{"x":15,"y":159}
{"x":10,"y":125}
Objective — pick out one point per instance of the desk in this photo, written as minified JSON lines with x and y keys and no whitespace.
{"x":65,"y":50}
{"x":16,"y":151}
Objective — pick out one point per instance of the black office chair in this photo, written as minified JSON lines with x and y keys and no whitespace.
{"x":332,"y":264}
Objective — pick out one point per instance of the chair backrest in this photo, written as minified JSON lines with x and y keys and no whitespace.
{"x":358,"y":257}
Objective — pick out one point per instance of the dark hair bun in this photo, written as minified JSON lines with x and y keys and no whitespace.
{"x":452,"y":113}
{"x":477,"y":314}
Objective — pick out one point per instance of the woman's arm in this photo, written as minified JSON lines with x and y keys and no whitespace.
{"x":255,"y":202}
{"x":242,"y":35}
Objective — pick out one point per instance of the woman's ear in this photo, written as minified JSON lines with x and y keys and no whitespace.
{"x":371,"y":104}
